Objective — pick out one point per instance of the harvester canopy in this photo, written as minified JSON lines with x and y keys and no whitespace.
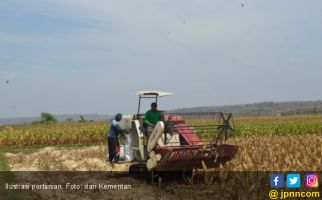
{"x":153,"y":93}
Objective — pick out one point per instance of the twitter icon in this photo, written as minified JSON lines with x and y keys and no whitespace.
{"x":293,"y":180}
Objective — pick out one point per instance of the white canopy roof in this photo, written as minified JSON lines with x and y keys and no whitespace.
{"x":151,"y":93}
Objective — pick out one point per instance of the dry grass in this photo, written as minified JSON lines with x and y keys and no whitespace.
{"x":278,"y":153}
{"x":63,"y":159}
{"x":256,"y":153}
{"x":53,"y":134}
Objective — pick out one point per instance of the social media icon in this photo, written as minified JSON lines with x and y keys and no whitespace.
{"x":293,"y":180}
{"x":277,"y":181}
{"x":312,"y":181}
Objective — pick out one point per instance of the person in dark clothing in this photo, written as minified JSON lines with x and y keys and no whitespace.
{"x":113,"y":140}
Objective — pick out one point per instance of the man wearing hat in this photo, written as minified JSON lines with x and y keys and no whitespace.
{"x":113,"y":140}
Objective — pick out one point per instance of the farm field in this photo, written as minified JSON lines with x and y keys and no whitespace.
{"x":265,"y":144}
{"x":291,"y":143}
{"x":256,"y":153}
{"x":256,"y":158}
{"x":95,"y":132}
{"x":53,"y":134}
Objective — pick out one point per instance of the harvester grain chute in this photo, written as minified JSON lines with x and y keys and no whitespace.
{"x":181,"y":141}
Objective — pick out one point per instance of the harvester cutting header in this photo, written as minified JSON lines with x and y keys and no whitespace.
{"x":178,"y":141}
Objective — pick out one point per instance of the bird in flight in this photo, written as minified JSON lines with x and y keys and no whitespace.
{"x":242,"y":5}
{"x":7,"y":82}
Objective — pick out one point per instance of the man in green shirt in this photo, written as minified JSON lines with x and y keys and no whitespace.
{"x":152,"y":116}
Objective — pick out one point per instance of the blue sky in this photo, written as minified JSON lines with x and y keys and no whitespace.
{"x":91,"y":56}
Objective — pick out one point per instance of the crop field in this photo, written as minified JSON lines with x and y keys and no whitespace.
{"x":95,"y":132}
{"x":284,"y":143}
{"x":272,"y":125}
{"x":266,"y":143}
{"x":264,"y":153}
{"x":53,"y":134}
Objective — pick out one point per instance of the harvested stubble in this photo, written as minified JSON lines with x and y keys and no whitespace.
{"x":256,"y":153}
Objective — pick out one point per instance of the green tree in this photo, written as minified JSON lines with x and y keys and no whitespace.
{"x":45,"y":118}
{"x":48,"y":118}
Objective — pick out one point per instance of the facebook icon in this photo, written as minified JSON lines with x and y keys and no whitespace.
{"x":277,"y":181}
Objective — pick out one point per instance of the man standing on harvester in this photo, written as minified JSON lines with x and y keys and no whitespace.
{"x":151,"y":118}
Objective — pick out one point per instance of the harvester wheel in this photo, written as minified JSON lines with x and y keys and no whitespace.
{"x":139,"y":170}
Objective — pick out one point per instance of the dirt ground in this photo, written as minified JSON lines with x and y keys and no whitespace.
{"x":297,"y":153}
{"x":283,"y":153}
{"x":64,"y":159}
{"x":61,"y":160}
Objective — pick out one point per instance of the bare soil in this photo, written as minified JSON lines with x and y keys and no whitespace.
{"x":264,"y":153}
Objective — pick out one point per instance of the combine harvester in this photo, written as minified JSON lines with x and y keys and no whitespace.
{"x":181,"y":141}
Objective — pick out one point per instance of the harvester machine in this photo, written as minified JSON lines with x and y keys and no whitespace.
{"x":181,"y":141}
